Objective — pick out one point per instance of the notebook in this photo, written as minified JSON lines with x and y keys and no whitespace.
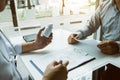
{"x":76,"y":57}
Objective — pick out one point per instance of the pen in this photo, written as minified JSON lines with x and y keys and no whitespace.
{"x":81,"y":64}
{"x":36,"y":67}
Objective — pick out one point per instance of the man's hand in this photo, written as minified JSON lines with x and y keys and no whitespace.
{"x":42,"y":41}
{"x":72,"y":37}
{"x":56,"y":71}
{"x":108,"y":47}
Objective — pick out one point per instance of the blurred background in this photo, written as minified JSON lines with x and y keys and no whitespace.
{"x":66,"y":14}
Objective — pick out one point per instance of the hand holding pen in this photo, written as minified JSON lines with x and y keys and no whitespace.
{"x":56,"y":71}
{"x":73,"y":38}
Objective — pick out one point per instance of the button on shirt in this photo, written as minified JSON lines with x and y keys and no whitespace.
{"x":107,"y":16}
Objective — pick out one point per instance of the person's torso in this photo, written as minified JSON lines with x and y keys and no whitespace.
{"x":110,"y":22}
{"x":8,"y":70}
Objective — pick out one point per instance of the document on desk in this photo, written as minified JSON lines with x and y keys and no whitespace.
{"x":76,"y":58}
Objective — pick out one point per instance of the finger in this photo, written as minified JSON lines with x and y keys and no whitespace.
{"x":107,"y":47}
{"x":77,"y":37}
{"x":60,"y":62}
{"x":51,"y":36}
{"x":40,"y":31}
{"x":73,"y":36}
{"x":65,"y":63}
{"x":49,"y":40}
{"x":107,"y":52}
{"x":54,"y":63}
{"x":70,"y":39}
{"x":102,"y":45}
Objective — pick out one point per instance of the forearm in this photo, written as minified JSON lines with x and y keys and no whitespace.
{"x":92,"y":24}
{"x":29,"y":46}
{"x":45,"y":78}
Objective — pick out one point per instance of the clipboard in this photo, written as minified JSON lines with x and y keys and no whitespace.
{"x":76,"y":59}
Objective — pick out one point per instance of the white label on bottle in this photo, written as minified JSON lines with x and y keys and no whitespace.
{"x":47,"y":30}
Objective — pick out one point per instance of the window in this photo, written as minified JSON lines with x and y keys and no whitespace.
{"x":28,"y":10}
{"x":50,"y":8}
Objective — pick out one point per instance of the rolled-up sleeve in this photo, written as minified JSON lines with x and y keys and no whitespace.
{"x":92,"y":24}
{"x":18,"y":48}
{"x":17,"y":44}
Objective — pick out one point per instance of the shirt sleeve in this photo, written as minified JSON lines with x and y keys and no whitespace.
{"x":18,"y":48}
{"x":17,"y":44}
{"x":92,"y":24}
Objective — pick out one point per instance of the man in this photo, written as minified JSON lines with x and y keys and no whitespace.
{"x":107,"y":16}
{"x":8,"y":70}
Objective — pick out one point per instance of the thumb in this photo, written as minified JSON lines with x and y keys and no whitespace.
{"x":65,"y":63}
{"x":40,"y":31}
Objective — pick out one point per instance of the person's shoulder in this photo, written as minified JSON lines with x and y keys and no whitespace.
{"x":104,"y":6}
{"x":106,"y":3}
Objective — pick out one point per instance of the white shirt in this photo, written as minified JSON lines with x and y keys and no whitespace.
{"x":107,"y":16}
{"x":8,"y":70}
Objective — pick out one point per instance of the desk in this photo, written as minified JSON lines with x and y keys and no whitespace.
{"x":60,"y":42}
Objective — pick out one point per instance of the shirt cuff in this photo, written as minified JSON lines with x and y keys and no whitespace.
{"x":78,"y":33}
{"x":18,"y":48}
{"x":17,"y":44}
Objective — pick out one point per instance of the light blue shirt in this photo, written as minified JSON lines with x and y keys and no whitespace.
{"x":8,"y":70}
{"x":107,"y":16}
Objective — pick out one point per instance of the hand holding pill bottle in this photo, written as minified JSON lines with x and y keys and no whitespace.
{"x":47,"y":31}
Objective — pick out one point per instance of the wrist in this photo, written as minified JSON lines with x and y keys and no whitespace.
{"x":45,"y":78}
{"x":35,"y":45}
{"x":29,"y":46}
{"x":48,"y":77}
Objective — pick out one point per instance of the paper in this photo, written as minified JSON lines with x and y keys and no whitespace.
{"x":75,"y":56}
